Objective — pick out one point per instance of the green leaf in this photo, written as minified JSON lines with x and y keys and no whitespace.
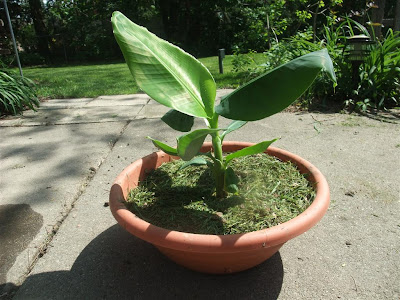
{"x":164,"y":147}
{"x":189,"y":144}
{"x":165,"y":72}
{"x":178,"y":121}
{"x":231,"y":181}
{"x":257,"y":148}
{"x":235,"y":125}
{"x":207,"y":154}
{"x":195,"y":161}
{"x":277,"y":89}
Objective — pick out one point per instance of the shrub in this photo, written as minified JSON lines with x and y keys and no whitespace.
{"x":16,"y":93}
{"x":380,"y":74}
{"x":378,"y":85}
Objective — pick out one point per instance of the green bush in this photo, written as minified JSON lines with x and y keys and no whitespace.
{"x":380,"y":75}
{"x":16,"y":93}
{"x":378,"y":82}
{"x":31,"y":59}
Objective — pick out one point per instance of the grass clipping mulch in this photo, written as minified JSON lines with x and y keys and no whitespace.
{"x":270,"y":192}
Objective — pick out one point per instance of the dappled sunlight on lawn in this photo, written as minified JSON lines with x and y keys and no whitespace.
{"x":112,"y":79}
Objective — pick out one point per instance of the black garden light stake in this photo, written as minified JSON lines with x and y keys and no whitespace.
{"x":359,"y":48}
{"x":221,"y":56}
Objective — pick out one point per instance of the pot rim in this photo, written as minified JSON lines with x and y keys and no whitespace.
{"x":194,"y":242}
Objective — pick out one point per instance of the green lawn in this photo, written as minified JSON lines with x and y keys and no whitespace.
{"x":82,"y":81}
{"x":110,"y":79}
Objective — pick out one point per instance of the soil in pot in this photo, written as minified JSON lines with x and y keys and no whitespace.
{"x":271,"y":192}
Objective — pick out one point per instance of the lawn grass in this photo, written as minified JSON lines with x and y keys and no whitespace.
{"x":82,"y":81}
{"x":111,"y":79}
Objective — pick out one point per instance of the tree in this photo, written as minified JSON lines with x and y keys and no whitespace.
{"x":397,"y":17}
{"x":36,"y":10}
{"x":378,"y":13}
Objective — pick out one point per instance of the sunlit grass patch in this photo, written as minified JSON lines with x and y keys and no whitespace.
{"x":109,"y":79}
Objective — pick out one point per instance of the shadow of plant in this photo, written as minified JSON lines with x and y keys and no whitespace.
{"x":116,"y":265}
{"x":19,"y":224}
{"x":389,"y":116}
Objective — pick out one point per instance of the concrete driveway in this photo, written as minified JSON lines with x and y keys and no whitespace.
{"x":60,"y":241}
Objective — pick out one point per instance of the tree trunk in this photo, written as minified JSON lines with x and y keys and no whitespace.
{"x":397,"y":17}
{"x":377,"y":17}
{"x":169,"y":13}
{"x":36,"y":10}
{"x":314,"y":27}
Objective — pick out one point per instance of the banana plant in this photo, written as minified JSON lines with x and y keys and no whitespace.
{"x":179,"y":81}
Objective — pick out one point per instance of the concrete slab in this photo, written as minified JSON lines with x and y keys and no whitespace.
{"x":57,"y":166}
{"x":19,"y":224}
{"x":120,"y":100}
{"x":153,"y":110}
{"x":223,"y":92}
{"x":100,"y":115}
{"x":113,"y":108}
{"x":64,"y":103}
{"x":44,"y":169}
{"x":77,"y":115}
{"x":352,"y":253}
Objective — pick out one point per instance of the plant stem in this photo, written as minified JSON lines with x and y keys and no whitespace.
{"x":219,"y":169}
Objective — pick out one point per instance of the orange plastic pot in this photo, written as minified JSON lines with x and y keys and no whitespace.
{"x":217,"y":254}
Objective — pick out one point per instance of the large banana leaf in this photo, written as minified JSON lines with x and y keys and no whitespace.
{"x":165,"y":72}
{"x":274,"y":91}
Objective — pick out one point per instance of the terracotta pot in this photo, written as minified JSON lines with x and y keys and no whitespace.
{"x":216,"y":253}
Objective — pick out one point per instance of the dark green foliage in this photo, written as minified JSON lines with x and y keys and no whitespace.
{"x":376,"y":86}
{"x":378,"y":83}
{"x":16,"y":93}
{"x":380,"y":75}
{"x":76,"y":30}
{"x":81,"y":30}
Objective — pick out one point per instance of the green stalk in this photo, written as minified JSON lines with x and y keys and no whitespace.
{"x":219,"y":169}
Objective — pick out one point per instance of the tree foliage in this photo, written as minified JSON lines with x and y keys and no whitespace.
{"x":80,"y":30}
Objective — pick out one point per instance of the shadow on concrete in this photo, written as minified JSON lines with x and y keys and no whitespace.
{"x":116,"y":265}
{"x":45,"y":156}
{"x":19,"y":224}
{"x":389,"y":116}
